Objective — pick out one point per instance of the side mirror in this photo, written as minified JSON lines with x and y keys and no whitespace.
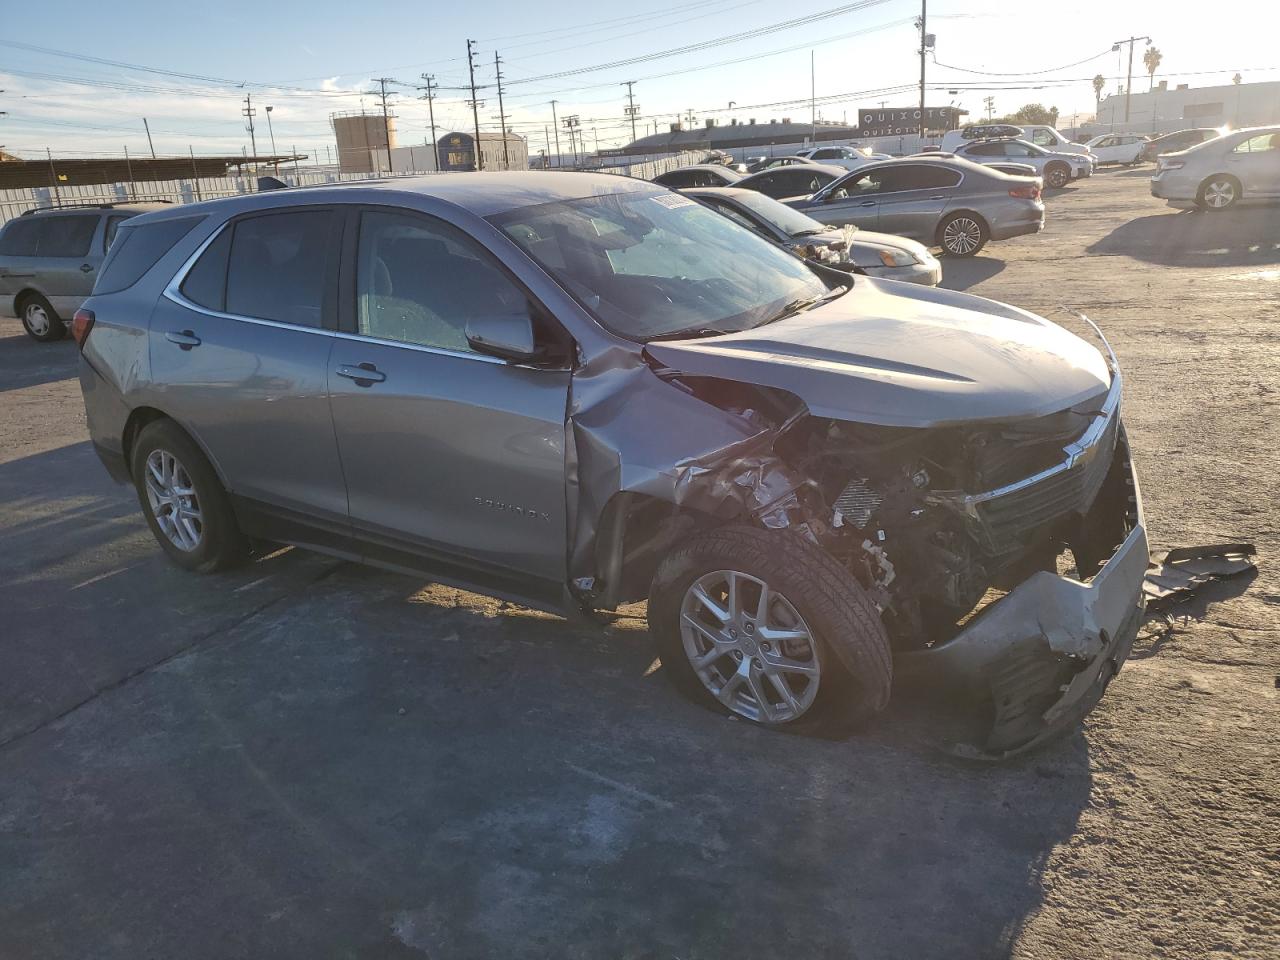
{"x":508,"y":336}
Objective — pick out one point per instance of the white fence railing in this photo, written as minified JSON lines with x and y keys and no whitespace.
{"x":14,"y":203}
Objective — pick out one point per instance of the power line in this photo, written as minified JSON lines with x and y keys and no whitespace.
{"x":716,"y":42}
{"x":1028,"y":73}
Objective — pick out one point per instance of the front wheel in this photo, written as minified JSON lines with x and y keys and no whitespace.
{"x":186,"y":508}
{"x":1219,"y":193}
{"x":40,"y":320}
{"x":768,"y":627}
{"x":1057,"y":175}
{"x":962,"y":235}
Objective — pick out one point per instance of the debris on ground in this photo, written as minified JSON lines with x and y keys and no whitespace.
{"x":1174,"y":575}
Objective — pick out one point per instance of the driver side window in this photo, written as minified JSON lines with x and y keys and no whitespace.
{"x":419,"y":281}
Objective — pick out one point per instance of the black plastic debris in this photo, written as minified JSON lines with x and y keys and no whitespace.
{"x":1174,"y":575}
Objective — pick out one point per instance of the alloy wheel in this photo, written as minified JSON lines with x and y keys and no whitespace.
{"x":1220,"y":194}
{"x":36,"y":319}
{"x":750,"y":647}
{"x":962,"y":236}
{"x":172,"y":497}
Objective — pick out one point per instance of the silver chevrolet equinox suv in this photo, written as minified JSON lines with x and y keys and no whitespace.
{"x":576,"y":391}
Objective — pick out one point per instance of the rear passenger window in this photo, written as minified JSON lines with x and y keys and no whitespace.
{"x":136,"y":249}
{"x":276,"y":269}
{"x":66,"y":236}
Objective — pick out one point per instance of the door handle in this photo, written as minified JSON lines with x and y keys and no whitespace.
{"x":183,"y":338}
{"x":86,"y":268}
{"x":868,"y":203}
{"x":938,"y":197}
{"x":364,"y":374}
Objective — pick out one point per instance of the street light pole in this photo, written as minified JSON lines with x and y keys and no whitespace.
{"x":924,"y":46}
{"x":271,"y":130}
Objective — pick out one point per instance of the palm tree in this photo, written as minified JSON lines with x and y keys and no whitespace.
{"x":1098,"y":83}
{"x":1151,"y":59}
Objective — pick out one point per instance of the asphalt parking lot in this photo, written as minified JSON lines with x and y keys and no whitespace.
{"x":305,"y":758}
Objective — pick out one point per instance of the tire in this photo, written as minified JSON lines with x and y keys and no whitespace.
{"x":204,"y":536}
{"x":1219,"y":192}
{"x":962,"y":235}
{"x":1057,"y":175}
{"x":838,"y":674}
{"x":39,"y":319}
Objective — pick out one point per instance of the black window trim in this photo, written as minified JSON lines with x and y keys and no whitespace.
{"x":348,"y":308}
{"x":328,"y":305}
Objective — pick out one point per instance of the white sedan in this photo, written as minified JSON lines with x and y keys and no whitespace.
{"x":851,"y":158}
{"x":1117,"y":147}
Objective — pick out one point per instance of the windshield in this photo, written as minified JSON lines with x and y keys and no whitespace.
{"x":787,"y":219}
{"x":651,"y":265}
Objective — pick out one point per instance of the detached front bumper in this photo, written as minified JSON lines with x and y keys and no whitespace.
{"x":1043,"y":654}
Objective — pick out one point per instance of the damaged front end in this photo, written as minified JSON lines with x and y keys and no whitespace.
{"x":1034,"y":523}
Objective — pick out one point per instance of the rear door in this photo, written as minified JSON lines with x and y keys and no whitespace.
{"x":448,"y":452}
{"x":1256,"y":163}
{"x":913,"y":196}
{"x":240,"y":346}
{"x":66,"y":261}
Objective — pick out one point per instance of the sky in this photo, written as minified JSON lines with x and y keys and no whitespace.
{"x":188,"y":73}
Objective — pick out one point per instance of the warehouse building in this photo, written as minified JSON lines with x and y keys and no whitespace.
{"x":497,"y":152}
{"x":1162,"y":110}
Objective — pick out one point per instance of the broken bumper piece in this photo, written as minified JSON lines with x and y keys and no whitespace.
{"x":1043,"y":654}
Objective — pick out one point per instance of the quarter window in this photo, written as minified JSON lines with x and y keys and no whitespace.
{"x":19,"y":238}
{"x":420,"y":281}
{"x":1259,"y":144}
{"x":276,"y":267}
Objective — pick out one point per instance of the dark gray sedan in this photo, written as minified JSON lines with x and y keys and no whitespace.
{"x":949,"y":202}
{"x":793,"y":180}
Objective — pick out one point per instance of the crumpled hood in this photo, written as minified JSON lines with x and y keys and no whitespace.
{"x":864,"y":247}
{"x":905,"y":355}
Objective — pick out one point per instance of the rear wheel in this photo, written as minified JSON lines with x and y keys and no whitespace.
{"x":962,"y":235}
{"x":40,"y":320}
{"x":766,"y":626}
{"x":1219,"y":192}
{"x":186,"y":508}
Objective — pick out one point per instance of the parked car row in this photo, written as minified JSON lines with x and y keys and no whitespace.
{"x":937,"y":199}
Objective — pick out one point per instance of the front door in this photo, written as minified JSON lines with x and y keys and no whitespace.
{"x":856,"y":200}
{"x":446,"y":451}
{"x":240,"y":350}
{"x":912,"y":198}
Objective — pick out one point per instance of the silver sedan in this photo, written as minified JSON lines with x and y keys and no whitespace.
{"x":948,"y":202}
{"x":1220,"y":173}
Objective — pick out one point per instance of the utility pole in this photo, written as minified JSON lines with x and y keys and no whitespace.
{"x":146,"y":126}
{"x":502,"y":114}
{"x":249,"y":112}
{"x":555,"y":125}
{"x":1128,"y":83}
{"x":386,"y":121}
{"x":272,"y":131}
{"x":632,"y":109}
{"x":430,"y":97}
{"x":925,"y":44}
{"x":813,"y":100}
{"x":571,"y":124}
{"x":991,"y":106}
{"x":476,"y":159}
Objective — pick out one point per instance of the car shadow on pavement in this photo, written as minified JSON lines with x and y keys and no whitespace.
{"x":1242,"y":237}
{"x":257,"y":764}
{"x":27,"y":363}
{"x":967,"y":272}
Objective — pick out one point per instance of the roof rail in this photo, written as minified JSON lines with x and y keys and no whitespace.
{"x":91,"y":205}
